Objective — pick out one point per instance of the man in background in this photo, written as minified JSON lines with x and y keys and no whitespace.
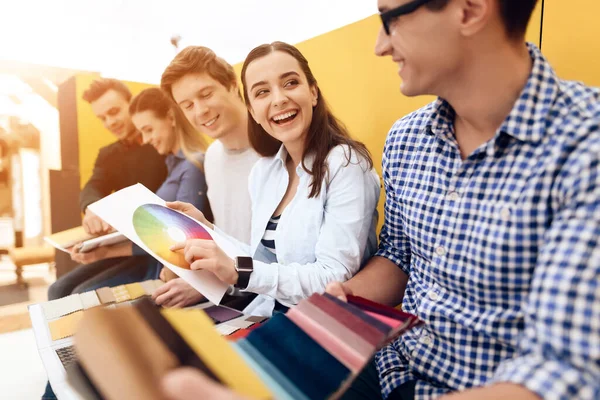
{"x":205,"y":88}
{"x":118,"y":165}
{"x":122,"y":163}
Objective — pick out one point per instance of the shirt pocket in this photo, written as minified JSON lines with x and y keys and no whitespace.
{"x":495,"y":247}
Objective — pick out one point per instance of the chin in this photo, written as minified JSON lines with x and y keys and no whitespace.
{"x":407,"y":91}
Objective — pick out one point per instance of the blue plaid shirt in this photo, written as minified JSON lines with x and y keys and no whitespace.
{"x":501,"y":248}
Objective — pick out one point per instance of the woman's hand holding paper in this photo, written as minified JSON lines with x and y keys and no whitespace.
{"x":206,"y":255}
{"x":191,"y":211}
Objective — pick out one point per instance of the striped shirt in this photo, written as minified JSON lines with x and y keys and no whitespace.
{"x":268,"y":239}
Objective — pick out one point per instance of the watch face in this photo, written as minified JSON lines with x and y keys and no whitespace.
{"x":245,"y":264}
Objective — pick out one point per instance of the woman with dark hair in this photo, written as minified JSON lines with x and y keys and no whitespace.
{"x":314,"y":193}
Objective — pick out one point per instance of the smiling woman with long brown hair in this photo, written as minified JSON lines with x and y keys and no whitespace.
{"x":314,"y":193}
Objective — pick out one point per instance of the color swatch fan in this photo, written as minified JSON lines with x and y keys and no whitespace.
{"x":160,"y":228}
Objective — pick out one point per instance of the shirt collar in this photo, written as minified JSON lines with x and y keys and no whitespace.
{"x":527,"y":119}
{"x":173,"y":159}
{"x":281,"y":157}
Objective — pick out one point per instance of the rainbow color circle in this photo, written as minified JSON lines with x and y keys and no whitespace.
{"x":160,"y":227}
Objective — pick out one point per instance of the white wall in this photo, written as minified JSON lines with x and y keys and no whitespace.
{"x":130,"y":39}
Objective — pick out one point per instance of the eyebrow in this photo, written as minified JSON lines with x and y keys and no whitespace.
{"x":199,"y":92}
{"x":282,"y":76}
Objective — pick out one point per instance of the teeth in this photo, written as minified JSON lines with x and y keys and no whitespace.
{"x":209,"y":123}
{"x":284,"y":116}
{"x":400,"y":66}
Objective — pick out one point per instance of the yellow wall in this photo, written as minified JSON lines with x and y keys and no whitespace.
{"x":571,"y":39}
{"x":535,"y":25}
{"x":92,"y":134}
{"x":362,"y":89}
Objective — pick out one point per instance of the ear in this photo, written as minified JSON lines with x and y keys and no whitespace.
{"x":314,"y":93}
{"x":235,"y":88}
{"x":251,"y":111}
{"x":476,"y":15}
{"x":171,"y":117}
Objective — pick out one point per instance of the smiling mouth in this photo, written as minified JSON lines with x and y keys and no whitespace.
{"x":400,"y":66}
{"x":211,"y":122}
{"x":285,"y":117}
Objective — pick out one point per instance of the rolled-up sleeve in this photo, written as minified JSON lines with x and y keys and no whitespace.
{"x":559,"y":355}
{"x":393,"y":243}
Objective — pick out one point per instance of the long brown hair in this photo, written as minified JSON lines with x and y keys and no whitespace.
{"x":160,"y":103}
{"x":325,"y":131}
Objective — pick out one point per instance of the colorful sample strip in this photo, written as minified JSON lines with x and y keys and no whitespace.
{"x":121,"y":294}
{"x":122,"y":355}
{"x":89,"y":299}
{"x":197,"y":330}
{"x":220,"y":314}
{"x":64,"y":326}
{"x":310,"y":368}
{"x":160,"y":227}
{"x":135,"y":290}
{"x":63,"y":306}
{"x":281,"y":387}
{"x":174,"y":342}
{"x":352,"y":320}
{"x":106,"y":295}
{"x":344,"y":344}
{"x":314,"y":351}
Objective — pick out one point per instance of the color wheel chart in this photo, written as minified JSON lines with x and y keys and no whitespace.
{"x":160,"y":228}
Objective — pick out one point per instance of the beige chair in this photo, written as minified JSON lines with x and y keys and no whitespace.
{"x":23,"y":256}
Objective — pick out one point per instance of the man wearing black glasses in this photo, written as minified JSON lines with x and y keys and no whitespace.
{"x":491,"y":218}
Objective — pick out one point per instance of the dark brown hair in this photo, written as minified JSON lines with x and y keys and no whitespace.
{"x":197,"y":60}
{"x":101,"y":86}
{"x":515,"y":14}
{"x":325,"y":131}
{"x":160,"y":103}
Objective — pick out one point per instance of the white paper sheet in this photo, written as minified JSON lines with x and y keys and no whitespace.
{"x":117,"y":210}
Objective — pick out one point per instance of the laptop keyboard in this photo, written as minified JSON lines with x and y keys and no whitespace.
{"x":67,"y":355}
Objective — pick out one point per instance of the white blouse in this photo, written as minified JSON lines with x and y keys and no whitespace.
{"x":318,"y":240}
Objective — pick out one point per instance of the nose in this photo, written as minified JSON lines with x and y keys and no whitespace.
{"x":110,"y":122}
{"x":279,"y":98}
{"x":383,"y":46}
{"x":200,"y":109}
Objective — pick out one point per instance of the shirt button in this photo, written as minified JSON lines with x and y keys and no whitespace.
{"x":425,"y":339}
{"x":433,"y":296}
{"x":440,"y":251}
{"x":505,"y":213}
{"x":453,"y":196}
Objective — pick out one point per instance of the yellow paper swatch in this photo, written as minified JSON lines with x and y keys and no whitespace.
{"x":121,"y":293}
{"x":197,"y":329}
{"x":65,"y":326}
{"x":135,"y":290}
